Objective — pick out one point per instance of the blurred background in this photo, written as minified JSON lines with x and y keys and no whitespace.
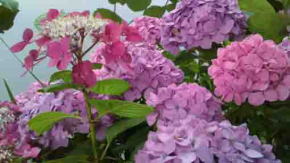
{"x":11,"y":70}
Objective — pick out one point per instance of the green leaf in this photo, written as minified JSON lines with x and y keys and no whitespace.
{"x":263,"y":19}
{"x":122,"y":2}
{"x":10,"y":94}
{"x":122,"y":108}
{"x":45,"y":121}
{"x":59,"y":87}
{"x":70,"y":159}
{"x":106,"y":13}
{"x":286,"y":3}
{"x":138,"y":5}
{"x":8,"y":12}
{"x":155,"y":11}
{"x":111,"y":87}
{"x":122,"y":126}
{"x":97,"y":66}
{"x":64,"y":75}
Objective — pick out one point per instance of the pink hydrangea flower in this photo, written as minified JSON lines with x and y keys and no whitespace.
{"x":27,"y":36}
{"x":83,"y":74}
{"x":59,"y":53}
{"x":193,"y":140}
{"x":175,"y":102}
{"x":253,"y":69}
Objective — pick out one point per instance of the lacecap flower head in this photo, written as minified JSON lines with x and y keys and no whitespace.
{"x":199,"y":23}
{"x":175,"y":102}
{"x":193,"y":140}
{"x":254,"y":69}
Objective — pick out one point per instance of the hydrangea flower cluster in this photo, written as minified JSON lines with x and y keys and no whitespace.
{"x":253,"y":70}
{"x":149,"y":27}
{"x":285,"y":44}
{"x":32,"y":103}
{"x":178,"y":101}
{"x":199,"y":23}
{"x":147,"y":71}
{"x":10,"y":144}
{"x":193,"y":140}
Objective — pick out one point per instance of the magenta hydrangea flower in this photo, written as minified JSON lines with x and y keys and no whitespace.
{"x":147,"y":71}
{"x":178,"y":101}
{"x":253,"y":70}
{"x":199,"y":23}
{"x":32,"y":103}
{"x":149,"y":27}
{"x":193,"y":140}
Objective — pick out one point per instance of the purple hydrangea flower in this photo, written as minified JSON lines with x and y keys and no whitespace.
{"x":193,"y":140}
{"x":33,"y":103}
{"x":147,"y":71}
{"x":178,"y":101}
{"x":149,"y":27}
{"x":199,"y":23}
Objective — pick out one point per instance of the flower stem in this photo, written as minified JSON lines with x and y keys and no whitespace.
{"x":92,"y":126}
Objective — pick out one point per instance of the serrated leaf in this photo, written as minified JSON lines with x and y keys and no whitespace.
{"x":122,"y":108}
{"x":111,"y":87}
{"x":121,"y":126}
{"x":45,"y":121}
{"x":108,"y":14}
{"x":59,"y":87}
{"x":64,"y":75}
{"x":154,"y":11}
{"x":10,"y":94}
{"x":8,"y":11}
{"x":138,"y":5}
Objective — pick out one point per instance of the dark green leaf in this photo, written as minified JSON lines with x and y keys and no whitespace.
{"x":122,"y":108}
{"x":108,"y":14}
{"x":122,"y":126}
{"x":64,"y":75}
{"x":59,"y":87}
{"x":45,"y":121}
{"x":122,"y":2}
{"x":71,"y":159}
{"x":286,"y":3}
{"x":10,"y":94}
{"x":97,"y":66}
{"x":170,"y":7}
{"x":264,"y":16}
{"x":138,"y":5}
{"x":155,"y":11}
{"x":8,"y":11}
{"x":111,"y":87}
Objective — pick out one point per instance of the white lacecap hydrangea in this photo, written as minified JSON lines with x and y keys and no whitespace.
{"x":5,"y":117}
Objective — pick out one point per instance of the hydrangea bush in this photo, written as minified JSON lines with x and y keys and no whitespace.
{"x":193,"y":81}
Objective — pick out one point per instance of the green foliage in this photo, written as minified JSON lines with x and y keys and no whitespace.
{"x":121,"y":126}
{"x":137,"y":5}
{"x":64,"y":75}
{"x":155,"y":11}
{"x":10,"y":94}
{"x":70,"y":159}
{"x":45,"y":121}
{"x":8,"y":12}
{"x":106,"y":13}
{"x":97,"y":66}
{"x":121,"y":108}
{"x":59,"y":87}
{"x":264,"y":19}
{"x":122,"y":2}
{"x":111,"y":87}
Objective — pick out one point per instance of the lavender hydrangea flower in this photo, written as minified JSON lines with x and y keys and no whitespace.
{"x":177,"y":101}
{"x":193,"y":140}
{"x":149,"y":27}
{"x":147,"y":71}
{"x":199,"y":23}
{"x":33,"y":103}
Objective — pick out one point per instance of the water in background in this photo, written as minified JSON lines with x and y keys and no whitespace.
{"x":10,"y":69}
